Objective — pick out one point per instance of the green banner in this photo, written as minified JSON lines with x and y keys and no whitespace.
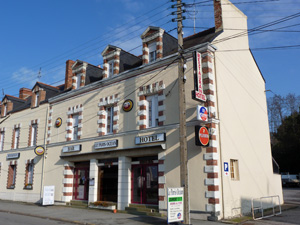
{"x":175,"y":199}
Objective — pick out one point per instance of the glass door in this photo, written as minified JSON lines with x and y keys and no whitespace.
{"x":81,"y":183}
{"x":144,"y":184}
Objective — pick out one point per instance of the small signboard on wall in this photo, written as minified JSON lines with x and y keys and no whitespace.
{"x":48,"y":197}
{"x":175,"y":204}
{"x":226,"y":169}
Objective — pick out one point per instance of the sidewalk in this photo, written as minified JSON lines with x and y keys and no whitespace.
{"x":84,"y":216}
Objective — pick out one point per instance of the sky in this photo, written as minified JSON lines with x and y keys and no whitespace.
{"x":39,"y":36}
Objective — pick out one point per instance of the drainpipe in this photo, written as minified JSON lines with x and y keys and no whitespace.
{"x":44,"y":155}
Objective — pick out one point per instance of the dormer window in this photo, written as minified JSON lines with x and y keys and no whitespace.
{"x":78,"y":81}
{"x":5,"y":110}
{"x":36,"y":101}
{"x":152,"y":52}
{"x":79,"y":73}
{"x":110,"y":68}
{"x":6,"y":107}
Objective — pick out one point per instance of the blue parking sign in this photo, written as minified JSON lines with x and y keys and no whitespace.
{"x":226,"y":169}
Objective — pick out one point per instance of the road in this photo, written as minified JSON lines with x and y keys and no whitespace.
{"x":30,"y":214}
{"x":14,"y":219}
{"x":289,"y":217}
{"x":291,"y":195}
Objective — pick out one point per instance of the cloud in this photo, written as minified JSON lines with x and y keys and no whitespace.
{"x":25,"y":76}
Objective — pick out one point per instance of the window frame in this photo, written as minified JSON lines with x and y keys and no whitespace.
{"x":234,"y":169}
{"x":110,"y":69}
{"x":2,"y":133}
{"x":16,"y":138}
{"x":37,"y":96}
{"x":5,"y":110}
{"x":75,"y":123}
{"x":78,"y":80}
{"x":152,"y":111}
{"x":29,"y":176}
{"x":33,"y":141}
{"x":13,"y":170}
{"x":152,"y":52}
{"x":109,"y":110}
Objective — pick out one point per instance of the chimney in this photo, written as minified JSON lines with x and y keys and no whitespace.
{"x":69,"y":74}
{"x":24,"y":93}
{"x":218,"y":15}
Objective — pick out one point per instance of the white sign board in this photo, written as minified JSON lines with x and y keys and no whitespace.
{"x":73,"y":148}
{"x":175,"y":204}
{"x":48,"y":197}
{"x":106,"y":144}
{"x":150,"y":138}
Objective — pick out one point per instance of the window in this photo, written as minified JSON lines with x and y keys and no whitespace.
{"x":12,"y":173}
{"x":234,"y":169}
{"x":75,"y":127}
{"x":2,"y":140}
{"x":33,"y":135}
{"x":29,"y":175}
{"x":109,"y":119}
{"x":17,"y":138}
{"x":152,"y":52}
{"x":5,"y":110}
{"x":37,"y":95}
{"x":152,"y":109}
{"x":110,"y":68}
{"x":78,"y":80}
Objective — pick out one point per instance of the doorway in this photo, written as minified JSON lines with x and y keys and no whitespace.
{"x":108,"y":177}
{"x":81,"y":184}
{"x":144,"y":181}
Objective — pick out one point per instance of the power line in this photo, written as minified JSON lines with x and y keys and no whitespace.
{"x":45,"y":74}
{"x":108,"y":36}
{"x":234,"y":3}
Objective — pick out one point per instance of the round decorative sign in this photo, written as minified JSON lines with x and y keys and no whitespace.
{"x":58,"y":122}
{"x":203,"y":136}
{"x":39,"y":150}
{"x":127,"y":105}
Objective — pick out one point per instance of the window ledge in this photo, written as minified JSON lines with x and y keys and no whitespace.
{"x":11,"y":187}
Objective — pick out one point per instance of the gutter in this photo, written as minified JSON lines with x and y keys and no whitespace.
{"x":5,"y":118}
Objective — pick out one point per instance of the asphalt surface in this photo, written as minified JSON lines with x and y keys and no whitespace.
{"x":17,"y":213}
{"x":291,"y":195}
{"x":68,"y":215}
{"x":15,"y":219}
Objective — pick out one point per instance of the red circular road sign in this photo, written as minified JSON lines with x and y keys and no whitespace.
{"x":203,"y":136}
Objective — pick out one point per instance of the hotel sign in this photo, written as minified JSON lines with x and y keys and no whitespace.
{"x":72,"y":148}
{"x":150,"y":138}
{"x":13,"y":156}
{"x":106,"y":144}
{"x":198,"y":94}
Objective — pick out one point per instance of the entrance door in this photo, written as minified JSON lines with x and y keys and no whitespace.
{"x":81,"y":183}
{"x":144,"y":184}
{"x":108,"y":183}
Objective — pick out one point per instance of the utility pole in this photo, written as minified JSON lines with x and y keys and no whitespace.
{"x":182,"y":118}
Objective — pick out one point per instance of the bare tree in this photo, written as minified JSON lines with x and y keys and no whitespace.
{"x":280,"y":107}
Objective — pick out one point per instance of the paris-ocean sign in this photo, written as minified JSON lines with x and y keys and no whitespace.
{"x":39,"y":150}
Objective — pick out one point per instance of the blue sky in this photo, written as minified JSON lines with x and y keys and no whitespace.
{"x":44,"y":34}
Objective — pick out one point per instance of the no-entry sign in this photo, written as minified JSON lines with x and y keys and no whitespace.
{"x":201,"y":136}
